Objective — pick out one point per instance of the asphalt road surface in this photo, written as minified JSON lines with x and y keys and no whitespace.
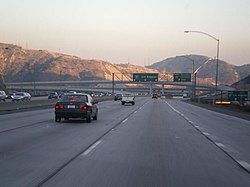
{"x":156,"y":142}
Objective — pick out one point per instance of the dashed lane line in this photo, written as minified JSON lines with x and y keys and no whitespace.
{"x":125,"y":120}
{"x":243,"y":164}
{"x":220,"y":144}
{"x":91,"y":148}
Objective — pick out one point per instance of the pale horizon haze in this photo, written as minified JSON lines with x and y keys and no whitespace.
{"x":141,"y":32}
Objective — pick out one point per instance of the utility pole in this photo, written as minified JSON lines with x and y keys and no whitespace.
{"x":113,"y":84}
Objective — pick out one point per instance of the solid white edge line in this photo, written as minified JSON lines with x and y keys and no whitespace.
{"x":244,"y":164}
{"x":205,"y":133}
{"x":125,"y":120}
{"x":220,"y":144}
{"x":91,"y":148}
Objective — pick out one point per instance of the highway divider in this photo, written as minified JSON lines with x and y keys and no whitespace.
{"x":37,"y":104}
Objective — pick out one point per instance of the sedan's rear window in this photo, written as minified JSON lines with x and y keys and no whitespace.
{"x":22,"y":94}
{"x":74,"y":98}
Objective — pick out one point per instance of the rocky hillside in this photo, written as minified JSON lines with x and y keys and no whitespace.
{"x":18,"y":64}
{"x":228,"y":73}
{"x":243,"y":84}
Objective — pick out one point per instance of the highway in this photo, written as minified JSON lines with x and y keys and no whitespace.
{"x":156,"y":142}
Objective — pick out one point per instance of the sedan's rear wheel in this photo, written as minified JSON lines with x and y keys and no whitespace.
{"x":57,"y":119}
{"x":89,"y":118}
{"x":95,"y":117}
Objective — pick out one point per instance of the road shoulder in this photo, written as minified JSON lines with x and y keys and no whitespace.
{"x":222,"y":109}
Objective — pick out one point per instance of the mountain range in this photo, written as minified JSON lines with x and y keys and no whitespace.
{"x":18,"y":64}
{"x":227,"y":73}
{"x":243,"y":84}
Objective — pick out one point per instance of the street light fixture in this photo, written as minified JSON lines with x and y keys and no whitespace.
{"x":217,"y":60}
{"x":195,"y":73}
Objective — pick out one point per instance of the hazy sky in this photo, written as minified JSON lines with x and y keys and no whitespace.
{"x":139,"y":31}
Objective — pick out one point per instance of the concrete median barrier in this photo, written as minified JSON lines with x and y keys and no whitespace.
{"x":8,"y":106}
{"x":45,"y":103}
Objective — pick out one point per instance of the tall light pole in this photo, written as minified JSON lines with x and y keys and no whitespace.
{"x":195,"y":73}
{"x":60,"y":76}
{"x":217,"y":61}
{"x":113,"y":84}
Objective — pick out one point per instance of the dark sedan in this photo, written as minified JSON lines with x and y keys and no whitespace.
{"x":77,"y":105}
{"x":154,"y":96}
{"x":118,"y":97}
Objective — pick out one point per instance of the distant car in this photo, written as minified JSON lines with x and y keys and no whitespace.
{"x":53,"y":95}
{"x":118,"y":97}
{"x":74,"y":92}
{"x":77,"y":105}
{"x":9,"y":96}
{"x":21,"y":96}
{"x":128,"y":98}
{"x":247,"y":103}
{"x":2,"y":95}
{"x":61,"y":94}
{"x":154,"y":96}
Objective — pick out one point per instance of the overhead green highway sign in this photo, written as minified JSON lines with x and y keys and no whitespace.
{"x":182,"y":77}
{"x":237,"y":95}
{"x":145,"y":77}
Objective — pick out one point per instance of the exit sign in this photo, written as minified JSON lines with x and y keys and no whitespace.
{"x":182,"y":77}
{"x":145,"y":77}
{"x":237,"y":95}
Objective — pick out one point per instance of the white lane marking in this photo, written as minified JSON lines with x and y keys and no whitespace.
{"x":244,"y":164}
{"x":205,"y":133}
{"x":173,"y":108}
{"x":191,"y":122}
{"x":200,"y":128}
{"x":220,"y":144}
{"x":188,"y":120}
{"x":125,"y":120}
{"x":135,"y":112}
{"x":140,"y":108}
{"x":91,"y":148}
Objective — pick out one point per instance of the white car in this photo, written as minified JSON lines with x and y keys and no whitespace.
{"x":128,"y":98}
{"x":2,"y":95}
{"x":21,"y":96}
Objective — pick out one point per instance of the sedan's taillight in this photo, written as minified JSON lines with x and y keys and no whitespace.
{"x":59,"y":107}
{"x":83,"y":107}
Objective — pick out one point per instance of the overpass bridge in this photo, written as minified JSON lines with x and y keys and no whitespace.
{"x":111,"y":86}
